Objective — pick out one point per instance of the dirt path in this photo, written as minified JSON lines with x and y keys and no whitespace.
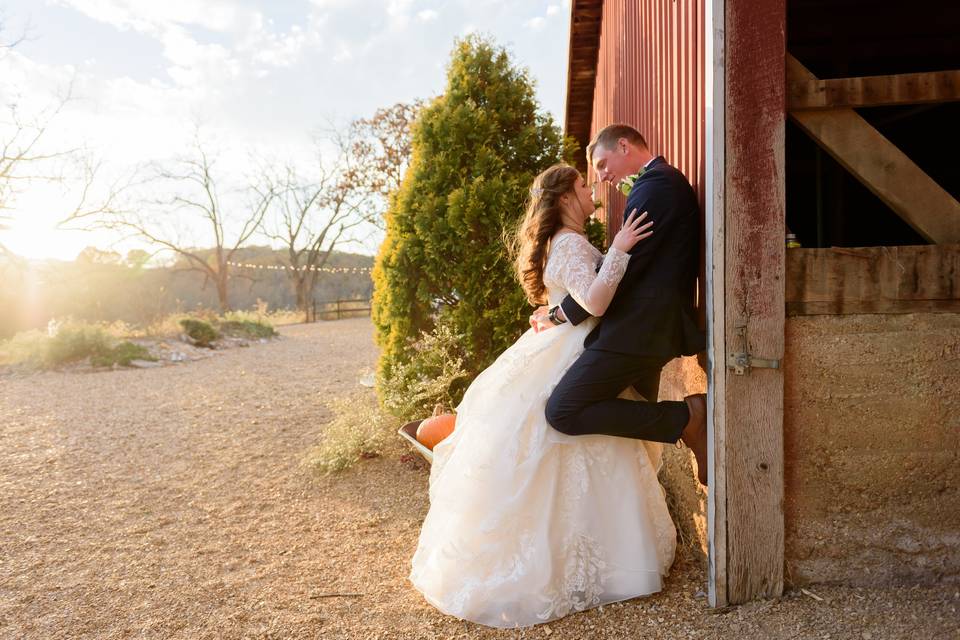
{"x":174,"y":503}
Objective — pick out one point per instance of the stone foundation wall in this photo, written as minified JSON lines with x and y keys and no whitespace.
{"x":686,"y":498}
{"x":872,"y":448}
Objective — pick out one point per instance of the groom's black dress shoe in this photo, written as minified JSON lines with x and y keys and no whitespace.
{"x":694,"y":435}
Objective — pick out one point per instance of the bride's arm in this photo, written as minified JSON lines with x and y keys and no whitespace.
{"x":575,"y":271}
{"x":593,"y":293}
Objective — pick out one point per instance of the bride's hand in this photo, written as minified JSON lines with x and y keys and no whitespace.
{"x":632,"y":232}
{"x":539,"y":320}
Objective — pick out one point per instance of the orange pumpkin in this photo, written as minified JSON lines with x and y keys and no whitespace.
{"x":433,"y":430}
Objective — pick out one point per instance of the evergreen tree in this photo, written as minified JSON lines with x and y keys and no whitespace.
{"x":444,"y":264}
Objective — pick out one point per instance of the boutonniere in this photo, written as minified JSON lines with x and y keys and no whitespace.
{"x":626,"y":185}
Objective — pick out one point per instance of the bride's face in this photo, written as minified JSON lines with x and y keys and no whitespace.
{"x":583,"y":198}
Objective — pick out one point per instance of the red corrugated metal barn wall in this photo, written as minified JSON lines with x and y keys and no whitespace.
{"x":650,"y":75}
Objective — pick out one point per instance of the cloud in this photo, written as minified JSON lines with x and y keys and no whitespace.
{"x":331,"y":4}
{"x":539,"y":22}
{"x":427,"y":15}
{"x":150,"y":16}
{"x":343,"y":53}
{"x":278,"y":50}
{"x":399,"y":14}
{"x":398,"y":7}
{"x":535,"y":23}
{"x":249,"y":43}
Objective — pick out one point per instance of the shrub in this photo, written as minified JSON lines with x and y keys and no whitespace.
{"x":26,"y":347}
{"x":201,"y":332}
{"x":475,"y":152}
{"x":433,"y":375}
{"x":122,"y":354}
{"x":280,"y":317}
{"x":597,"y":234}
{"x":75,"y":341}
{"x":358,"y":430}
{"x":70,"y":341}
{"x":165,"y":325}
{"x":246,"y":328}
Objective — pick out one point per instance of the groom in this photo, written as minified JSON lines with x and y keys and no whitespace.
{"x":651,"y":319}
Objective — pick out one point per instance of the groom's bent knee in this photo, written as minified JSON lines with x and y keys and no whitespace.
{"x":559,"y":414}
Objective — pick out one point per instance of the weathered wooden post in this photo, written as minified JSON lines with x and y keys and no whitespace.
{"x":746,"y":121}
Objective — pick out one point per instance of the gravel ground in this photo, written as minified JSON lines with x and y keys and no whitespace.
{"x":174,"y":503}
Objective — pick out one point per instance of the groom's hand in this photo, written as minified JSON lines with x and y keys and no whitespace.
{"x":539,"y":319}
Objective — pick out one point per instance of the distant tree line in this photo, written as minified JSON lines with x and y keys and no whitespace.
{"x":103,"y":286}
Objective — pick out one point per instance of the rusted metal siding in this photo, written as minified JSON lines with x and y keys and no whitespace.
{"x":650,"y":75}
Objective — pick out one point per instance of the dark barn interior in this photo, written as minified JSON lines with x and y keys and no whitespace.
{"x":826,"y":205}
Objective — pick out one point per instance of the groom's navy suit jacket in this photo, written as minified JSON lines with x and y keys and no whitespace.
{"x":652,"y":312}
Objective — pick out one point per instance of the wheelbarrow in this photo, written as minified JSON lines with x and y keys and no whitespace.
{"x":409,"y":433}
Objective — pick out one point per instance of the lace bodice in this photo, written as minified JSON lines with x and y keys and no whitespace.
{"x":572,"y":268}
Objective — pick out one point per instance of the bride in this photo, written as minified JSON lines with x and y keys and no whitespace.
{"x":527,"y":524}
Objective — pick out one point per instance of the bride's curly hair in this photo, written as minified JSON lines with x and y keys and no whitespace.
{"x":541,"y":221}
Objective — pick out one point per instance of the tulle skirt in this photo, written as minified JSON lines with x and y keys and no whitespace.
{"x":527,"y":524}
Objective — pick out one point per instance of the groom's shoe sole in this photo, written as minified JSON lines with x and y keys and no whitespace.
{"x":695,"y":433}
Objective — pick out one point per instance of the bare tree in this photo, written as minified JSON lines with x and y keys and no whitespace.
{"x":25,"y":159}
{"x":5,"y":226}
{"x":23,"y":162}
{"x":313,"y":216}
{"x":7,"y":44}
{"x":20,"y":160}
{"x":380,"y":148}
{"x":194,"y":202}
{"x":20,"y":137}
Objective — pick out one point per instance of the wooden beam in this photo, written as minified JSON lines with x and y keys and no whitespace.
{"x":586,"y":17}
{"x":871,"y":307}
{"x":880,"y":166}
{"x":871,"y":91}
{"x":873,"y":280}
{"x":714,"y":93}
{"x":754,"y":226}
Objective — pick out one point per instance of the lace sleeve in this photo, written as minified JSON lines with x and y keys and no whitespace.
{"x":572,"y":263}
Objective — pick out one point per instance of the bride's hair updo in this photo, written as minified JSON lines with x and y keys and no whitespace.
{"x":541,"y":221}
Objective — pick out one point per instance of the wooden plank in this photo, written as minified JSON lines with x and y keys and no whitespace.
{"x":755,"y":121}
{"x":715,"y":298}
{"x":881,"y":167}
{"x":872,"y":91}
{"x":873,"y":280}
{"x":868,"y":307}
{"x":585,"y":19}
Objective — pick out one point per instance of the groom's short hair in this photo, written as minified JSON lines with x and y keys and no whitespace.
{"x":608,"y":136}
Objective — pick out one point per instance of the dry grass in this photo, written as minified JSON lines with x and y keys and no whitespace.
{"x":174,"y":503}
{"x":68,"y":341}
{"x":359,"y":430}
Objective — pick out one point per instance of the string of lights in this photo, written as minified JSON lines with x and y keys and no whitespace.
{"x":284,"y":267}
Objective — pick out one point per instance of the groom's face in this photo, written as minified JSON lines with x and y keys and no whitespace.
{"x":614,"y":164}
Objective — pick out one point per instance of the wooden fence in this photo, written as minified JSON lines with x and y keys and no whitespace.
{"x":337,"y":309}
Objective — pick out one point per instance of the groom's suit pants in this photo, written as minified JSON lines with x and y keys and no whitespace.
{"x":585,"y":400}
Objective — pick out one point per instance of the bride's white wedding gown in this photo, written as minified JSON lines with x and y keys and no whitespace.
{"x":527,"y":524}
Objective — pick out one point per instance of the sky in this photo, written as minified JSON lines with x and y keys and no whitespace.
{"x":253,"y":74}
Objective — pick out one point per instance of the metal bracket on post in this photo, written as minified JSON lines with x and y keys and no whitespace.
{"x":741,"y":363}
